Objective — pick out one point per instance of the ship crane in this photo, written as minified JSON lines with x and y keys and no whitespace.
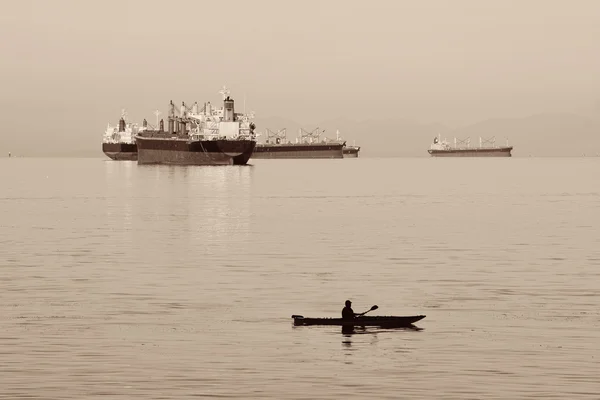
{"x":181,"y":112}
{"x":156,"y":113}
{"x":175,"y":110}
{"x":279,"y":136}
{"x":193,"y":109}
{"x":314,"y":134}
{"x":491,"y":141}
{"x":466,"y":142}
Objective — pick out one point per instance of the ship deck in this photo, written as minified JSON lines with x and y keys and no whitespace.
{"x":472,"y":152}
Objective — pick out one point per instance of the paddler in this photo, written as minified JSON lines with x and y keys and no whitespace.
{"x":348,"y":312}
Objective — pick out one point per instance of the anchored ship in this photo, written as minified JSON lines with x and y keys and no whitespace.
{"x":462,"y":148}
{"x":206,"y":136}
{"x":306,"y":145}
{"x":348,"y":151}
{"x":351,"y":151}
{"x":118,"y":142}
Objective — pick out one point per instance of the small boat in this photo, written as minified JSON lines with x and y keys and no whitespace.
{"x":380,"y":321}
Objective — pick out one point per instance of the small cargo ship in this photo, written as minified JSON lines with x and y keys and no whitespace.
{"x":118,"y":142}
{"x":206,"y":136}
{"x":348,"y":151}
{"x":351,"y":151}
{"x":462,"y":148}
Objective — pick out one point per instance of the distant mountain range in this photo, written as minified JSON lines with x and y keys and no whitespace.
{"x":541,"y":135}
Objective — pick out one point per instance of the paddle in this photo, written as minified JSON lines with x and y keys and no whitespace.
{"x":358,"y":315}
{"x":372,"y":308}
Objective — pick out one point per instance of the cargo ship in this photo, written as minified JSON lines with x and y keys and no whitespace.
{"x":348,"y":151}
{"x":207,"y":136}
{"x":118,"y":142}
{"x":306,"y":145}
{"x":462,"y":148}
{"x":351,"y":151}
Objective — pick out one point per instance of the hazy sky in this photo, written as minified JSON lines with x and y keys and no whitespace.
{"x":72,"y":65}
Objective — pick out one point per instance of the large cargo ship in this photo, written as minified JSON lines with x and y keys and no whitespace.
{"x":306,"y":145}
{"x":462,"y":148}
{"x":207,"y":136}
{"x":118,"y":142}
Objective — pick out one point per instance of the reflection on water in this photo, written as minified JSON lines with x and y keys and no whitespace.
{"x":348,"y":332}
{"x":202,"y":204}
{"x":219,"y":202}
{"x":168,"y":282}
{"x":118,"y":179}
{"x":362,"y":330}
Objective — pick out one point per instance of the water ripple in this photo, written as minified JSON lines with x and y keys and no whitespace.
{"x":165,"y":283}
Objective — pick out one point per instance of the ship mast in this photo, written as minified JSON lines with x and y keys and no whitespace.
{"x":157,"y":113}
{"x":224,"y":92}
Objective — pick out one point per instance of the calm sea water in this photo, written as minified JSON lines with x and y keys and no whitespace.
{"x":179,"y":282}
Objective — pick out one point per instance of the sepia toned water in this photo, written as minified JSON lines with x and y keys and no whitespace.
{"x":163,"y":282}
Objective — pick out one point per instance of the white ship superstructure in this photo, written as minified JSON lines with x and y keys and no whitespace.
{"x":210,"y":123}
{"x":124,"y":133}
{"x":439,"y":144}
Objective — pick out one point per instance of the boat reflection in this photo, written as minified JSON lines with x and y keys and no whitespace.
{"x":120,"y":193}
{"x":349,"y":331}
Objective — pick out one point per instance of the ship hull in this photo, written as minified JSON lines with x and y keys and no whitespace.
{"x":298,"y":151}
{"x":200,"y":152}
{"x":120,"y":151}
{"x":351,"y":152}
{"x":495,"y":152}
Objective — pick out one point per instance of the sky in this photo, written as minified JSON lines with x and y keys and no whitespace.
{"x":68,"y":67}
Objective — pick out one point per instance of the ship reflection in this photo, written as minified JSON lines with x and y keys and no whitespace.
{"x":204,"y":204}
{"x":357,"y":330}
{"x":120,"y":191}
{"x":219,"y":205}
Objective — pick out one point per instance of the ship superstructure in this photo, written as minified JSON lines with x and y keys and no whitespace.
{"x":200,"y":136}
{"x":118,"y":142}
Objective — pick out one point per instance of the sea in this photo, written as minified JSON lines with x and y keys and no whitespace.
{"x":161,"y":282}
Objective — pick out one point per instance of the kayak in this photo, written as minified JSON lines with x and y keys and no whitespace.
{"x":380,"y":321}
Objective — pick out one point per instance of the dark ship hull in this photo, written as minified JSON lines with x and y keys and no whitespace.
{"x":298,"y":150}
{"x":474,"y":152}
{"x":160,"y":148}
{"x":351,"y":151}
{"x":120,"y":151}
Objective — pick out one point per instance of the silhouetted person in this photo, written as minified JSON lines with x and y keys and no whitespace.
{"x":348,"y":313}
